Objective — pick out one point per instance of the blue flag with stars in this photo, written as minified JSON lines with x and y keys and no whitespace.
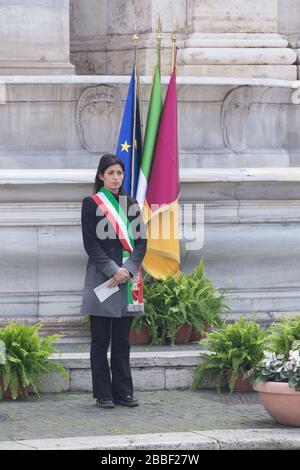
{"x":129,"y":149}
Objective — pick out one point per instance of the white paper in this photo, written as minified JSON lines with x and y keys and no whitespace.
{"x":103,"y":292}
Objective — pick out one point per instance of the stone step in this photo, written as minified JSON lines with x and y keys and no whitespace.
{"x":80,"y":344}
{"x":157,"y":368}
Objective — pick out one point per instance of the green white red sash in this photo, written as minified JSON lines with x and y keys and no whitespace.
{"x":121,"y":225}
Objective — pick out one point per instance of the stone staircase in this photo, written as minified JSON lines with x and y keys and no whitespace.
{"x":163,"y":367}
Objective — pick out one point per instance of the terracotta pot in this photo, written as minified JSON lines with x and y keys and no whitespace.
{"x":196,"y":335}
{"x":142,"y":338}
{"x":23,"y":393}
{"x":280,"y":401}
{"x":241,"y":385}
{"x":183,"y":334}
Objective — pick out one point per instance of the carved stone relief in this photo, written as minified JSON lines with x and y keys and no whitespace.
{"x":98,"y":118}
{"x":260,"y":117}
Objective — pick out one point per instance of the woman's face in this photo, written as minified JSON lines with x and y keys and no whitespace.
{"x":112,"y":178}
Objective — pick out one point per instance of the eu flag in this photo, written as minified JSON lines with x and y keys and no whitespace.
{"x":129,"y":148}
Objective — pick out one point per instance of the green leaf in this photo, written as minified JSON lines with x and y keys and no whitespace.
{"x":237,"y":348}
{"x":186,"y":298}
{"x":27,"y":357}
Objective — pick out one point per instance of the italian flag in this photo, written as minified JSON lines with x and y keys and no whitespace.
{"x":153,"y":119}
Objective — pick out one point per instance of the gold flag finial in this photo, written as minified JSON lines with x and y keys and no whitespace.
{"x":159,"y":29}
{"x":135,"y":36}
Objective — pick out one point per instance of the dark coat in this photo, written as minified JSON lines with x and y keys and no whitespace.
{"x":105,"y":257}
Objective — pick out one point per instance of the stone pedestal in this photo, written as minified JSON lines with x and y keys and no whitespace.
{"x":239,"y":152}
{"x":67,"y":122}
{"x":252,"y":228}
{"x":215,"y":38}
{"x":34,"y":37}
{"x":237,"y":54}
{"x":235,"y":38}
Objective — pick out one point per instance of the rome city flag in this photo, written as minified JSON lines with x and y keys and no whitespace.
{"x":161,"y":203}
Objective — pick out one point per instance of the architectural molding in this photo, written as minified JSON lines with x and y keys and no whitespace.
{"x":98,"y":108}
{"x":244,"y":103}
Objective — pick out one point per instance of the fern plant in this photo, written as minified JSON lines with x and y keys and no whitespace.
{"x":282,"y":335}
{"x":234,"y":349}
{"x":208,"y":301}
{"x":176,"y":300}
{"x":27,"y":359}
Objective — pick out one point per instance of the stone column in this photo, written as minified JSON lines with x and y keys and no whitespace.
{"x":289,"y":24}
{"x":235,"y":38}
{"x":34,"y":37}
{"x":102,"y":32}
{"x":215,"y":37}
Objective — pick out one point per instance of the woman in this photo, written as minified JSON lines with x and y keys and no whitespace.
{"x":115,"y":255}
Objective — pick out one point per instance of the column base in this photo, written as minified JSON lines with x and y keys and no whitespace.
{"x":286,"y":72}
{"x":237,"y":55}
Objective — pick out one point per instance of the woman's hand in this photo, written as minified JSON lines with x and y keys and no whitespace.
{"x":120,"y":277}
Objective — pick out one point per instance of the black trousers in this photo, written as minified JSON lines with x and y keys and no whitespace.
{"x":117,"y":382}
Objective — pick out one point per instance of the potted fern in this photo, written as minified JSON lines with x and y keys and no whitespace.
{"x":282,"y":335}
{"x":177,"y":304}
{"x":27,"y":359}
{"x":208,"y":303}
{"x":139,"y":333}
{"x":234,"y":349}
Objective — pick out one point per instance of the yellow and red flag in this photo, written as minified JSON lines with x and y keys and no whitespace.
{"x":161,"y":202}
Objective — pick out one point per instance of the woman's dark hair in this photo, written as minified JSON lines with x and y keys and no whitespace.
{"x":105,"y":161}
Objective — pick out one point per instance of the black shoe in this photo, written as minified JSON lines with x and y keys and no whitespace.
{"x":127,"y":401}
{"x":105,"y":402}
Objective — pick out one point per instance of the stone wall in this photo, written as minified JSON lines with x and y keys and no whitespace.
{"x":232,"y":16}
{"x":239,"y":143}
{"x":34,"y":37}
{"x":215,"y":37}
{"x":68,"y":122}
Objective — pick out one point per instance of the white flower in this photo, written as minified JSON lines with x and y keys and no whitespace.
{"x":294,"y":356}
{"x":269,"y":358}
{"x":280,"y":368}
{"x":289,"y":366}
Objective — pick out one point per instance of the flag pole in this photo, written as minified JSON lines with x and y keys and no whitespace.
{"x":174,"y":52}
{"x":139,"y":86}
{"x":135,"y":40}
{"x":158,"y":39}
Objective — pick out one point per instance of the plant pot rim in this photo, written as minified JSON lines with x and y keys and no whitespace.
{"x":275,"y":387}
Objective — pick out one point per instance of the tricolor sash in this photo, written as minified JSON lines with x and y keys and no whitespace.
{"x":121,"y":225}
